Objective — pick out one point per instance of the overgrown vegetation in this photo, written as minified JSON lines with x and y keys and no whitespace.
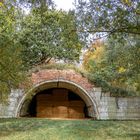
{"x":11,"y":64}
{"x":45,"y":34}
{"x":112,"y":67}
{"x":113,"y":57}
{"x":30,"y":40}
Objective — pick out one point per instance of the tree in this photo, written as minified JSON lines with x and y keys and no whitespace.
{"x":11,"y":66}
{"x":37,"y":2}
{"x":49,"y":35}
{"x":125,"y":56}
{"x":94,"y":53}
{"x":115,"y":66}
{"x":117,"y":23}
{"x":103,"y":18}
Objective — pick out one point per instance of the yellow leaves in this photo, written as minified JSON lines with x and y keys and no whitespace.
{"x":1,"y":4}
{"x":137,"y":11}
{"x":94,"y":53}
{"x":121,"y":70}
{"x":98,"y":53}
{"x":97,"y":9}
{"x":127,"y":2}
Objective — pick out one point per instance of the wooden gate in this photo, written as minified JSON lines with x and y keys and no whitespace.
{"x":56,"y":104}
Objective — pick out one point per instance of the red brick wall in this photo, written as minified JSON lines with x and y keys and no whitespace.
{"x":69,"y":75}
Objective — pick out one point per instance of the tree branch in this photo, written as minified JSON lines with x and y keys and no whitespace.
{"x":119,"y":30}
{"x":110,"y":31}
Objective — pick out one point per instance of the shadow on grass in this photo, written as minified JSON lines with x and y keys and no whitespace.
{"x":135,"y":136}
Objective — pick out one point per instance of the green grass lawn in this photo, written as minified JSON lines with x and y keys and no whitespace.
{"x":44,"y":129}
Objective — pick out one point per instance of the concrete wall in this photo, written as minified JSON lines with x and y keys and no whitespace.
{"x":8,"y":110}
{"x":118,"y":108}
{"x":108,"y":107}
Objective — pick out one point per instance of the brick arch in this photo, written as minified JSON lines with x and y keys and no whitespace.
{"x":69,"y":79}
{"x":68,"y":75}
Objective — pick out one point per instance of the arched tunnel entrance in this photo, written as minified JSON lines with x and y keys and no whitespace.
{"x":57,"y":103}
{"x":57,"y":99}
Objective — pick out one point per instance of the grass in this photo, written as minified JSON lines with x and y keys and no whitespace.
{"x":45,"y":129}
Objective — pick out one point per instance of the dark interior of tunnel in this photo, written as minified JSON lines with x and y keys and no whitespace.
{"x":32,"y":109}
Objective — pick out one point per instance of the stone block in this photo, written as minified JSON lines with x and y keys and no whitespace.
{"x":95,"y":89}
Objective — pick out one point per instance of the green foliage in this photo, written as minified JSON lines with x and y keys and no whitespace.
{"x":58,"y":66}
{"x":118,"y":67}
{"x":125,"y":60}
{"x":46,"y":35}
{"x":118,"y":70}
{"x":11,"y":67}
{"x":37,"y":3}
{"x":101,"y":18}
{"x":29,"y":40}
